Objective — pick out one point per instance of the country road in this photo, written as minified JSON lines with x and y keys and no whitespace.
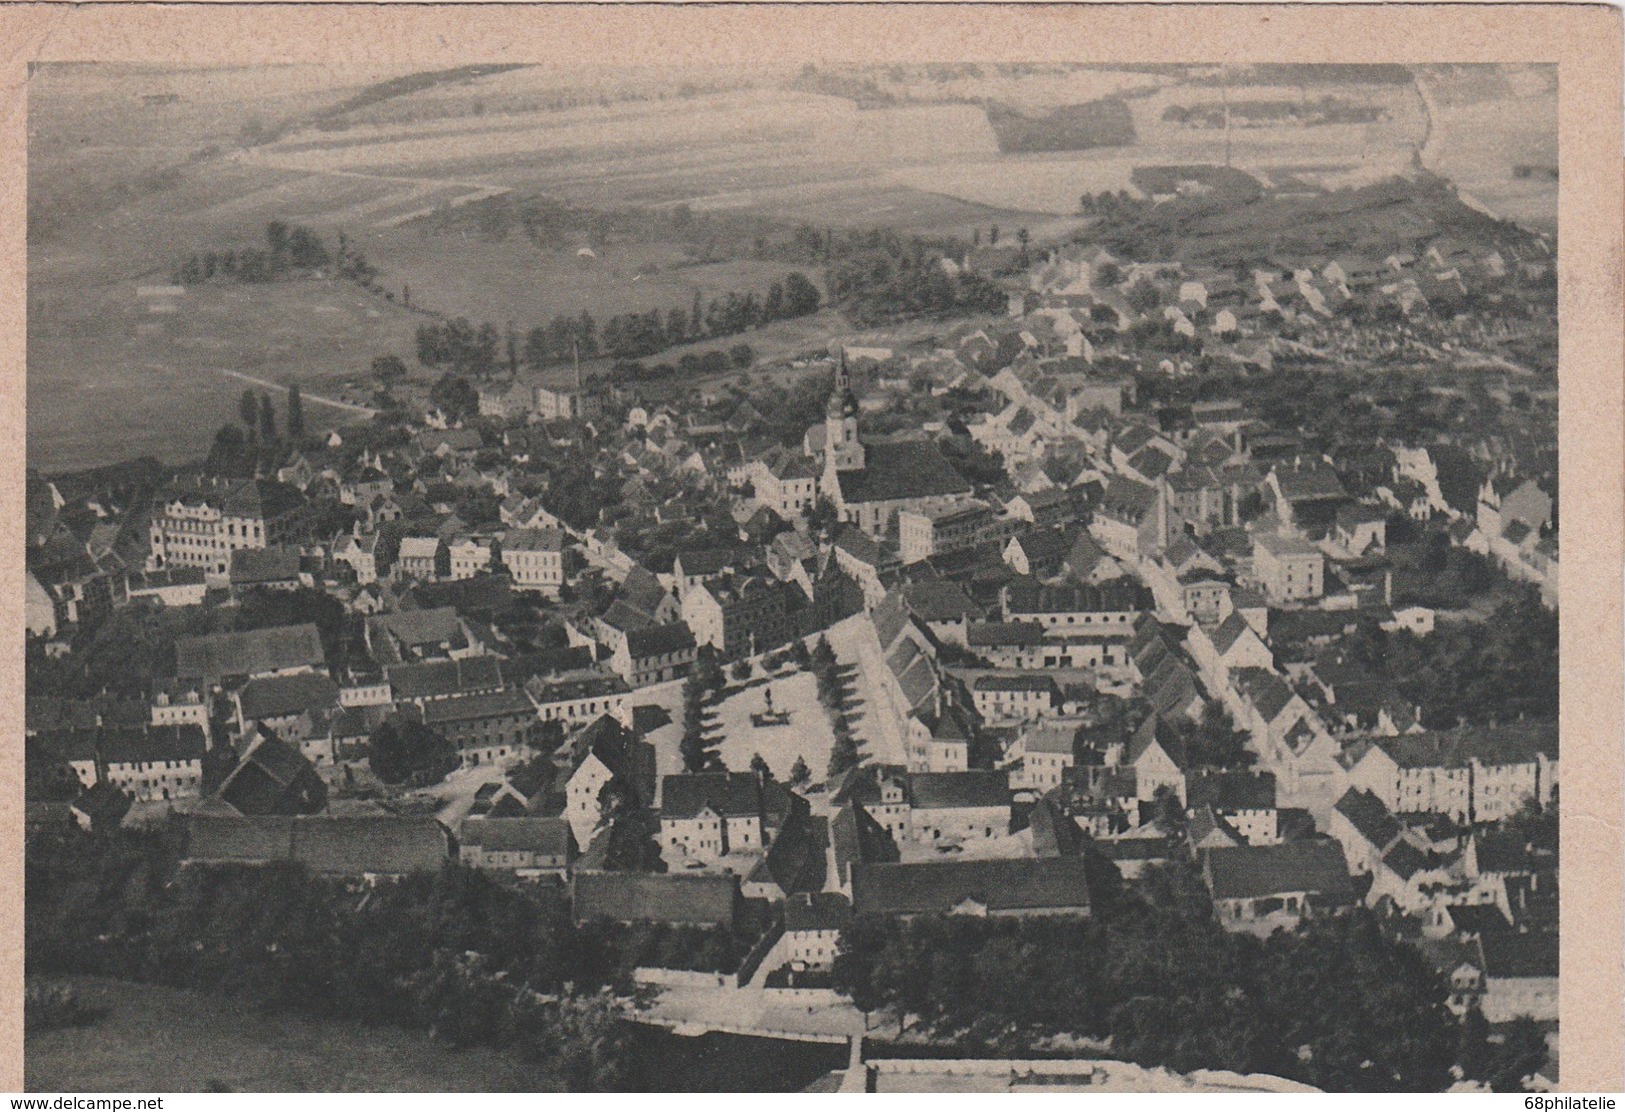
{"x":315,"y":398}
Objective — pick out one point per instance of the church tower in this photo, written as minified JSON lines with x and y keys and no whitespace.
{"x":843,"y":451}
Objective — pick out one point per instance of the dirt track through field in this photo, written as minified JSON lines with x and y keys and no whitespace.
{"x":316,"y":398}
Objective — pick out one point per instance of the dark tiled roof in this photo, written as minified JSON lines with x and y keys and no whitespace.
{"x":1268,"y":693}
{"x":550,"y":837}
{"x":279,"y":696}
{"x":1020,"y":681}
{"x":659,"y":640}
{"x":1507,"y":954}
{"x":1231,"y":630}
{"x":534,"y":540}
{"x":1155,"y":729}
{"x":797,"y":858}
{"x":1058,"y":884}
{"x":705,"y":561}
{"x":939,"y":600}
{"x":419,"y":627}
{"x":220,"y":839}
{"x":1128,"y":500}
{"x":1231,"y":791}
{"x":264,"y":565}
{"x":330,"y":845}
{"x":890,"y":618}
{"x":702,"y":900}
{"x":152,"y":743}
{"x":856,"y":837}
{"x":1004,"y":633}
{"x":1477,"y":918}
{"x":1250,"y":872}
{"x":816,"y":911}
{"x":354,"y":845}
{"x":264,"y":498}
{"x":1078,"y":598}
{"x":1368,"y":815}
{"x":910,"y":469}
{"x":242,"y":654}
{"x":477,"y":705}
{"x":432,"y":679}
{"x":729,"y":794}
{"x":1405,"y":860}
{"x":1513,"y":743}
{"x":975,"y":788}
{"x":624,"y":616}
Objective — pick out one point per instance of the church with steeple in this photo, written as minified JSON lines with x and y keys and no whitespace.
{"x":869,"y":483}
{"x":843,"y":451}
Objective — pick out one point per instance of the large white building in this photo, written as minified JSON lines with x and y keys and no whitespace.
{"x":201,"y":526}
{"x":535,"y":559}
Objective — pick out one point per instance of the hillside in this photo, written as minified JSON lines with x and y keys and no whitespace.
{"x":1391,"y":215}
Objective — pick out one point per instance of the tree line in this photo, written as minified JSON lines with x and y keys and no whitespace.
{"x":288,"y":249}
{"x":1337,"y":1004}
{"x":454,"y":953}
{"x":883,"y":275}
{"x":463,"y":348}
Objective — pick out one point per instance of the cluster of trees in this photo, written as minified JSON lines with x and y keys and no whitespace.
{"x":704,"y":682}
{"x":1107,"y":203}
{"x":639,"y":335}
{"x":124,"y":654}
{"x":49,"y":1006}
{"x":455,"y":396}
{"x":832,"y":694}
{"x":459,"y":346}
{"x":882,"y":274}
{"x":1213,"y":740}
{"x":690,"y":366}
{"x":1337,"y":1005}
{"x":1470,"y":672}
{"x":288,"y":249}
{"x":405,"y":750}
{"x":256,"y":447}
{"x":463,"y":348}
{"x":1442,"y":575}
{"x":910,"y":281}
{"x":454,"y":953}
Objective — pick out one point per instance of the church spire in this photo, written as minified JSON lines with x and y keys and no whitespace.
{"x":843,"y":402}
{"x":842,"y":448}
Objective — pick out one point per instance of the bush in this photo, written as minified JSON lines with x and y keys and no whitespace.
{"x":50,"y":1006}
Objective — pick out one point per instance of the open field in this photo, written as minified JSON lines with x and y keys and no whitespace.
{"x":514,"y":280}
{"x":113,"y":374}
{"x":1476,"y":143}
{"x":133,"y":168}
{"x":157,"y":1039}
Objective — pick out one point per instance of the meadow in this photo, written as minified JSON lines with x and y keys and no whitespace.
{"x":132,"y":168}
{"x":155,"y":1039}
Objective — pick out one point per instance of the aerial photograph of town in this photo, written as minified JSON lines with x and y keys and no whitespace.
{"x":965,"y":577}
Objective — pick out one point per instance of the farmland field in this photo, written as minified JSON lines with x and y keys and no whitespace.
{"x":133,"y":168}
{"x":113,"y":374}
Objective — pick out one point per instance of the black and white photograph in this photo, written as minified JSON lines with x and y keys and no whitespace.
{"x":817,"y":576}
